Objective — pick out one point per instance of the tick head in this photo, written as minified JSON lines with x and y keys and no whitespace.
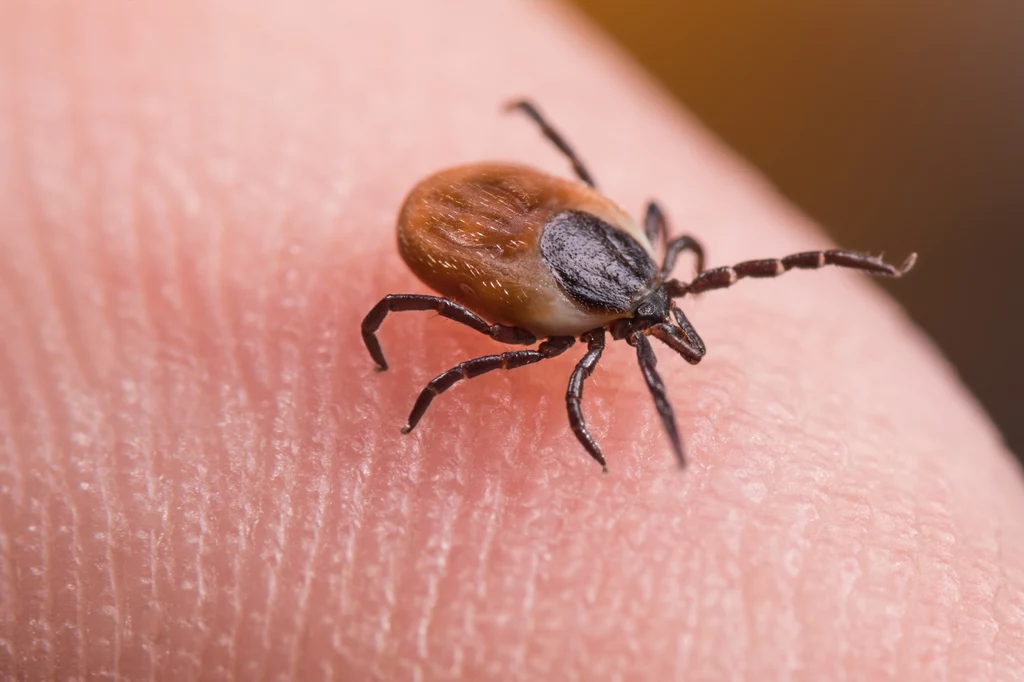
{"x":655,"y":308}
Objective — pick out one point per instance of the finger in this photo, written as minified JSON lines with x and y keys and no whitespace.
{"x":203,"y":475}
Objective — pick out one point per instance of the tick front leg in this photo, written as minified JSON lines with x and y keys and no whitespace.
{"x":556,"y":345}
{"x":574,"y":395}
{"x":724,"y":277}
{"x":443,"y":307}
{"x":646,"y":358}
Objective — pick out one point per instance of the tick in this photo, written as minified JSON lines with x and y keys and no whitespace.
{"x":520,"y":255}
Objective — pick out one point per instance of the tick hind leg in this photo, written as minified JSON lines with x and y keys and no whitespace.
{"x":556,"y":139}
{"x":556,"y":345}
{"x":393,"y":303}
{"x":574,"y":395}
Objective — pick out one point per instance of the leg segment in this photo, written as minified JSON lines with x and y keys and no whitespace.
{"x":574,"y":394}
{"x":676,"y":247}
{"x":443,"y":307}
{"x":655,"y":225}
{"x":645,"y":356}
{"x":556,"y":345}
{"x":556,"y":139}
{"x":721,"y":278}
{"x":656,"y":228}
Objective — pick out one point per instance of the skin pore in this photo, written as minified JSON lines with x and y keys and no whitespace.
{"x":201,"y":474}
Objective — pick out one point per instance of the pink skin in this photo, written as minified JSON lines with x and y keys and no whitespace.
{"x":202,"y":475}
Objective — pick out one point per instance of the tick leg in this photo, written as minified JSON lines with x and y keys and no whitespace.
{"x":574,"y":395}
{"x":443,"y":307}
{"x":678,"y":246}
{"x":721,"y":278}
{"x":655,"y":224}
{"x":555,"y":138}
{"x":556,"y":345}
{"x":656,"y":228}
{"x":647,"y":360}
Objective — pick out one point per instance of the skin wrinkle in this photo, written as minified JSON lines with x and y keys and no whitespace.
{"x":15,"y":606}
{"x":442,"y":537}
{"x":463,"y":492}
{"x":185,"y":271}
{"x":241,"y":432}
{"x":22,"y":405}
{"x":441,"y":568}
{"x":321,"y":437}
{"x":158,"y":312}
{"x":880,"y":565}
{"x":280,"y":526}
{"x":177,"y":352}
{"x":188,"y":275}
{"x":1009,"y":624}
{"x":10,"y":481}
{"x":824,"y":503}
{"x":307,"y":547}
{"x":749,"y":590}
{"x":304,"y":428}
{"x":254,"y":359}
{"x":12,"y":478}
{"x":40,"y":626}
{"x":144,"y":438}
{"x":360,"y":503}
{"x":62,"y":489}
{"x":237,"y":435}
{"x":267,"y":360}
{"x":933,"y":558}
{"x":289,"y":450}
{"x":493,"y":514}
{"x":183,"y":292}
{"x":439,"y":572}
{"x":388,"y":560}
{"x":108,"y":471}
{"x":302,"y":610}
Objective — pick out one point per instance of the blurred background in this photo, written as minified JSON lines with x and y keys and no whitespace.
{"x":897,"y":124}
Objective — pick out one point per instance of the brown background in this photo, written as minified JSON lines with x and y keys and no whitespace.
{"x":898,"y":124}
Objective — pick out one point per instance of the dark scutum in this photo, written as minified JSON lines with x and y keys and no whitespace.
{"x":598,"y":265}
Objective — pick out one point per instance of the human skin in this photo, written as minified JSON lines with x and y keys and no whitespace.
{"x":201,"y":474}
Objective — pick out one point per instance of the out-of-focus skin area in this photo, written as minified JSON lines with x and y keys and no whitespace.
{"x":898,"y":125}
{"x":203,"y":477}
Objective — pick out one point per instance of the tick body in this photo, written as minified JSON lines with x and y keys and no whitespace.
{"x":521,"y":256}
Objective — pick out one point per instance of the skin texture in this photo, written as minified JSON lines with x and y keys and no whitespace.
{"x":201,"y":475}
